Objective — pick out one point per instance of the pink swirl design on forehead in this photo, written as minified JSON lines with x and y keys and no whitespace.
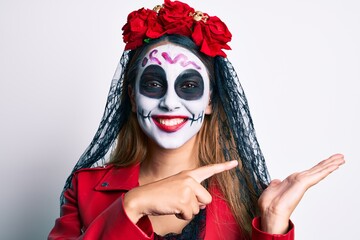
{"x":152,"y":58}
{"x":183,"y":63}
{"x":144,"y":62}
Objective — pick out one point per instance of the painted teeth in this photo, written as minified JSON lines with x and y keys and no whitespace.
{"x":171,"y":122}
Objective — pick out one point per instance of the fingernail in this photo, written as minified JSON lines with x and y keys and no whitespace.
{"x":234,"y":161}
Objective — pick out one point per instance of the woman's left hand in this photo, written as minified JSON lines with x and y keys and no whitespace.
{"x":280,"y":198}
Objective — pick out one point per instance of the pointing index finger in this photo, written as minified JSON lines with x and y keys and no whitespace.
{"x":202,"y":173}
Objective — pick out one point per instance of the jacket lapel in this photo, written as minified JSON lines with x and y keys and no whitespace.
{"x":119,"y":179}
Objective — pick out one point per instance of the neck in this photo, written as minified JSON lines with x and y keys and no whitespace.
{"x":161,"y":163}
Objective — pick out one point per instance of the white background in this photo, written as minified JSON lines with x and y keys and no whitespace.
{"x":298,"y":62}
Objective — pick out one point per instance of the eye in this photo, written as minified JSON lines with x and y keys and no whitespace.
{"x":153,"y":82}
{"x":189,"y":84}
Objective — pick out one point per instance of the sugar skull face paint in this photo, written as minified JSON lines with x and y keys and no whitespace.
{"x":172,"y":94}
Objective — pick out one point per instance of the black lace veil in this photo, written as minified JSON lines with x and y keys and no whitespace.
{"x":115,"y":115}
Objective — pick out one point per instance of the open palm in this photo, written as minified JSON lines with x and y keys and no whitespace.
{"x":280,"y":198}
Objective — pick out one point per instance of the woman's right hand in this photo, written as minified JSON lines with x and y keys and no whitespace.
{"x":181,"y":195}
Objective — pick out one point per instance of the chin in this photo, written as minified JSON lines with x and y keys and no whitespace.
{"x":170,"y":145}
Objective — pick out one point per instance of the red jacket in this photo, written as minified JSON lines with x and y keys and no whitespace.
{"x":94,"y":210}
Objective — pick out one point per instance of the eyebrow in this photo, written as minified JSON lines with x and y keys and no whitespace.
{"x":189,"y":73}
{"x":154,"y":71}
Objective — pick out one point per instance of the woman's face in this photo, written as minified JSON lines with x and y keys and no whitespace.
{"x":171,"y":95}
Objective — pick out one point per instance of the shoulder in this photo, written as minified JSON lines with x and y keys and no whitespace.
{"x":91,"y":170}
{"x":106,"y":168}
{"x":92,"y":174}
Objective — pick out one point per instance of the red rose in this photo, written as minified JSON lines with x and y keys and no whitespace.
{"x":176,"y":19}
{"x":140,"y":24}
{"x":155,"y":29}
{"x":212,"y":36}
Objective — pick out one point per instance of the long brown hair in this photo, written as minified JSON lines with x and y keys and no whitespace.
{"x":131,"y":144}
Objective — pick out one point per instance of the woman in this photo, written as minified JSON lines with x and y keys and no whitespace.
{"x":186,"y":163}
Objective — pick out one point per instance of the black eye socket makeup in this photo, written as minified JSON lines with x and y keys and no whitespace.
{"x":153,"y":83}
{"x":189,"y":85}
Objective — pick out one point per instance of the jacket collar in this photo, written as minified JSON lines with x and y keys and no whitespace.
{"x":119,"y":178}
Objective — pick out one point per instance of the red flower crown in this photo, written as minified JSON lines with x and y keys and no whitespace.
{"x":174,"y":17}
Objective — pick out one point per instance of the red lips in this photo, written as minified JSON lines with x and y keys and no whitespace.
{"x":169,"y":123}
